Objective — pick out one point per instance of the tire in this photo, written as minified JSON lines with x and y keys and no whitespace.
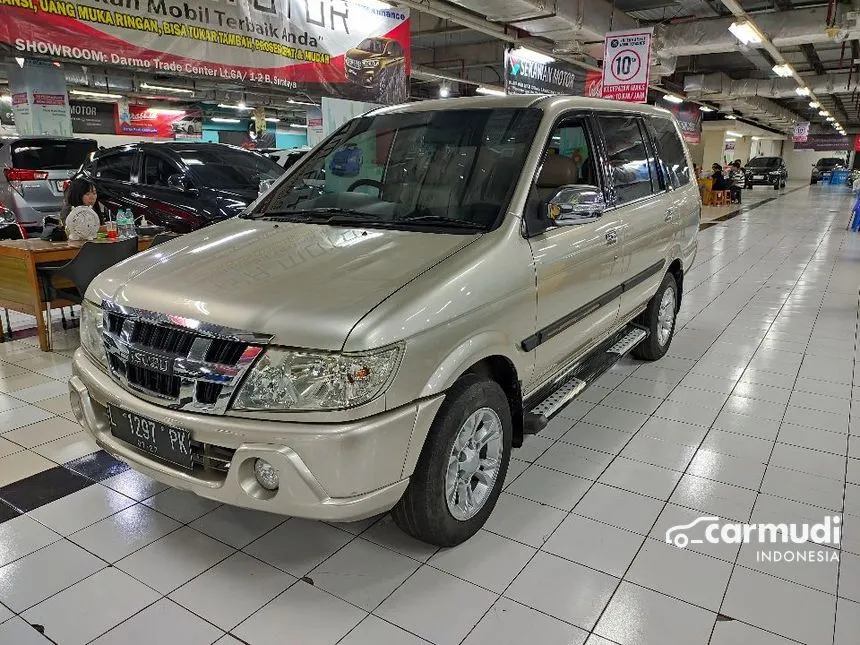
{"x":812,"y":182}
{"x":652,"y":348}
{"x":424,"y":511}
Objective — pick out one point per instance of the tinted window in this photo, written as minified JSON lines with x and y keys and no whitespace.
{"x":671,"y":152}
{"x":372,"y":45}
{"x":228,"y":168}
{"x":47,"y":154}
{"x":156,"y":170}
{"x":117,"y":167}
{"x":829,"y":162}
{"x":628,"y":158}
{"x":764,"y":162}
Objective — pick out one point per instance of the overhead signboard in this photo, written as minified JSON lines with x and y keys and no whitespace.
{"x":828,"y":142}
{"x":143,"y":121}
{"x":92,"y":117}
{"x":801,"y":132}
{"x":627,"y":65}
{"x":528,"y":72}
{"x":352,"y":49}
{"x":690,"y":121}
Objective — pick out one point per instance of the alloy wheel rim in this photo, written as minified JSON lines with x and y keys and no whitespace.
{"x":473,"y":464}
{"x":666,"y":317}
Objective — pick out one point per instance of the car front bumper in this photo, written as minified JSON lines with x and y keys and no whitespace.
{"x":757,"y":180}
{"x":336,"y":472}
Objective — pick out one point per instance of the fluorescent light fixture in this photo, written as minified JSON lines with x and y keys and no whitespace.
{"x":672,"y":98}
{"x":6,"y":98}
{"x":301,"y":102}
{"x":731,"y":140}
{"x":830,"y":119}
{"x":746,"y":32}
{"x":166,"y":111}
{"x":490,"y":91}
{"x":783,"y":70}
{"x":729,"y":133}
{"x":801,"y":91}
{"x":218,"y":119}
{"x":95,"y":95}
{"x":444,"y":92}
{"x":238,"y":106}
{"x":814,"y":104}
{"x":166,"y":88}
{"x":298,"y":125}
{"x":756,"y":138}
{"x":731,"y":116}
{"x":271,"y":119}
{"x":823,"y":113}
{"x":533,"y":55}
{"x":705,"y":108}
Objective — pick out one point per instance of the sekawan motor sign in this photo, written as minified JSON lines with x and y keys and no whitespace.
{"x":353,"y":49}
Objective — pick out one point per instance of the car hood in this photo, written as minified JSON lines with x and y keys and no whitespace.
{"x":305,"y":284}
{"x":360,"y":54}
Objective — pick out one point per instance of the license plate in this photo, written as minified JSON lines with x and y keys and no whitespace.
{"x":154,"y":362}
{"x":157,"y":439}
{"x":758,"y":176}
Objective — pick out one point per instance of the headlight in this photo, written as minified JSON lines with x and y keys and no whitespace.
{"x":285,"y":379}
{"x":92,"y":324}
{"x":373,"y":62}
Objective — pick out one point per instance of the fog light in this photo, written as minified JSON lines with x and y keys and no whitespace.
{"x":267,"y":474}
{"x":77,"y":405}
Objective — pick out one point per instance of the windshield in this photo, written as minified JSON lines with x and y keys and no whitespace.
{"x":227,"y":168}
{"x":454,"y":168}
{"x":51,"y":154}
{"x":829,"y":162}
{"x":764,"y":162}
{"x":373,"y":46}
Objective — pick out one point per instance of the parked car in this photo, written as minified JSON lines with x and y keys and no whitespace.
{"x":285,"y":157}
{"x":191,"y":126}
{"x":180,"y":186}
{"x":823,"y":169}
{"x":35,"y":171}
{"x":336,"y":353}
{"x":766,"y":171}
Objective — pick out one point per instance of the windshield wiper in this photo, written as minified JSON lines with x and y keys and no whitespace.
{"x":325,"y":214}
{"x":441,"y":219}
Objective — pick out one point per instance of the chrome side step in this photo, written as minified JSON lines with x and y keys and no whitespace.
{"x":547,"y":402}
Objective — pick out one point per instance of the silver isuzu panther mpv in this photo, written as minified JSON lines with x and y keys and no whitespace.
{"x":380,"y":328}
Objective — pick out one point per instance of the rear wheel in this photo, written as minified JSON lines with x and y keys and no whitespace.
{"x":659,"y":318}
{"x":462,"y":467}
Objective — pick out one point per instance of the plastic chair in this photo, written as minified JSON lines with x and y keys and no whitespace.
{"x":161,"y":238}
{"x":721,"y":197}
{"x":92,"y":259}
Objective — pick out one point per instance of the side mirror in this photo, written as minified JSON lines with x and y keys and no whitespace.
{"x":179,"y":182}
{"x":575,"y":204}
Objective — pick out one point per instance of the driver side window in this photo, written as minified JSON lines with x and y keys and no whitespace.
{"x":569,"y":160}
{"x":157,"y":170}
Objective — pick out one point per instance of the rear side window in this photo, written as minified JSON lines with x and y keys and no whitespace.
{"x":48,"y":154}
{"x":116,"y":167}
{"x":627,"y":154}
{"x":671,"y":150}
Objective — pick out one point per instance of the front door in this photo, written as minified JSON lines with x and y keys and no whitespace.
{"x":642,"y":205}
{"x":576,"y":265}
{"x":163,"y":205}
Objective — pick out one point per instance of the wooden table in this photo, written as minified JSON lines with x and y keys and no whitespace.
{"x":20,"y":288}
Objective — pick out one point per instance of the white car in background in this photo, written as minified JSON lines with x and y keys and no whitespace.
{"x":285,"y":157}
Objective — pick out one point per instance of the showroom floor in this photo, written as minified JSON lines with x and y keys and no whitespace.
{"x":748,"y":419}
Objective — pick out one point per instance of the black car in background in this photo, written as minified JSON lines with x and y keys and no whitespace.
{"x":823,"y":169}
{"x":180,"y":186}
{"x":766,"y":171}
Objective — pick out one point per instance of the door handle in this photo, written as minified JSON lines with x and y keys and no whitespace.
{"x":670,"y":213}
{"x":611,"y":236}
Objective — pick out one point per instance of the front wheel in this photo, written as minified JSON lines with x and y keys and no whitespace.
{"x":659,"y":318}
{"x":776,"y":185}
{"x":462,"y":467}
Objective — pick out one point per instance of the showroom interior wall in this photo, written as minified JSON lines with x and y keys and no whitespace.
{"x":799,"y":162}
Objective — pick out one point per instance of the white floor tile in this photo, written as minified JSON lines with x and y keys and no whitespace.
{"x":163,"y":622}
{"x":510,"y":622}
{"x":486,"y":559}
{"x":297,"y":545}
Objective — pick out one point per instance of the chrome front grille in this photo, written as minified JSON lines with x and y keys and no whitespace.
{"x":177,"y":362}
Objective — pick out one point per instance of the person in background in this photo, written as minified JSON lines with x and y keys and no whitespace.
{"x":738,"y":178}
{"x":697,"y":170}
{"x":720,"y":181}
{"x":80,"y":193}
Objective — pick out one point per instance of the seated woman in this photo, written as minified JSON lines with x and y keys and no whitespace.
{"x":721,"y":182}
{"x":80,"y":193}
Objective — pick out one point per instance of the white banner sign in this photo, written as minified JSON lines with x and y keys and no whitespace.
{"x":627,"y":65}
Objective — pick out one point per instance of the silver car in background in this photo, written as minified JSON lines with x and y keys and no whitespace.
{"x":34,"y":173}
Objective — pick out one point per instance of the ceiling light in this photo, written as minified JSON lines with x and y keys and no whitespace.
{"x":814,"y":104}
{"x":166,"y":111}
{"x":730,"y":139}
{"x":729,"y":133}
{"x":6,"y":98}
{"x":444,"y":92}
{"x":783,"y":70}
{"x":301,"y":102}
{"x":166,"y":88}
{"x":672,"y":98}
{"x":830,"y":119}
{"x":533,"y":55}
{"x":298,"y":125}
{"x":705,"y":108}
{"x":218,"y":119}
{"x":756,"y":138}
{"x":731,"y":116}
{"x":746,"y":32}
{"x":823,"y":113}
{"x":238,"y":106}
{"x":490,"y":91}
{"x":95,"y":95}
{"x":802,"y":91}
{"x":272,"y":119}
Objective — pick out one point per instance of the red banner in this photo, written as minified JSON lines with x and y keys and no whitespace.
{"x":356,"y":48}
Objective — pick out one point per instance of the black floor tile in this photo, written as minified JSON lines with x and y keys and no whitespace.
{"x":43,"y":488}
{"x":97,"y":466}
{"x":7,"y":512}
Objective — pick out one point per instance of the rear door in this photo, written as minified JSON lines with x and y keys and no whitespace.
{"x":642,"y":206}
